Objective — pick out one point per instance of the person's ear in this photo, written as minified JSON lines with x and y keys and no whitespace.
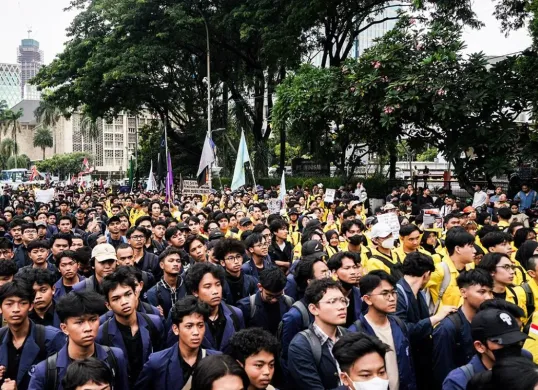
{"x":313,"y":309}
{"x":480,"y":348}
{"x":63,"y":328}
{"x":175,"y":329}
{"x":107,"y":305}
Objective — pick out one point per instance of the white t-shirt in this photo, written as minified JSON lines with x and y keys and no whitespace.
{"x":391,"y":361}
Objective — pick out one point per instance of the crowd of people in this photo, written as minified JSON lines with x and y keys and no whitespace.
{"x":102,"y":290}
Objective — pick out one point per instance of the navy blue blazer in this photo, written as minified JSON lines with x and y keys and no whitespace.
{"x":291,"y":288}
{"x":261,"y":319}
{"x":229,"y":330}
{"x":115,"y":338}
{"x":160,"y":296}
{"x":304,"y":373}
{"x":121,"y":381}
{"x":401,"y":343}
{"x":60,"y":288}
{"x":31,"y":354}
{"x":250,"y":286}
{"x":249,"y":268}
{"x":163,"y":371}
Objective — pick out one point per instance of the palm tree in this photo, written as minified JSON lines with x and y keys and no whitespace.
{"x":43,"y":139}
{"x":12,"y":125}
{"x":47,"y":113}
{"x":8,"y":147}
{"x":89,"y":127}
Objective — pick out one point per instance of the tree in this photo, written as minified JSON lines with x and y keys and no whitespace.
{"x":47,"y":113}
{"x":18,"y":161}
{"x":65,"y":165}
{"x":43,"y":139}
{"x":8,"y":147}
{"x":12,"y":126}
{"x":89,"y":127}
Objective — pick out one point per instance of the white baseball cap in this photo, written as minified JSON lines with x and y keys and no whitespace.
{"x":380,"y":230}
{"x":104,"y":252}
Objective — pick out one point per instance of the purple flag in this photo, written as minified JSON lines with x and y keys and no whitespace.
{"x":169,"y":180}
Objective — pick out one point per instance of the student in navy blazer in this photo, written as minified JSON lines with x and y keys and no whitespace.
{"x":205,"y":281}
{"x":379,"y":293}
{"x":307,"y":269}
{"x":136,"y":334}
{"x":37,"y":343}
{"x":348,"y":269}
{"x":163,"y":370}
{"x":270,"y":303}
{"x":67,"y":264}
{"x":259,"y":258}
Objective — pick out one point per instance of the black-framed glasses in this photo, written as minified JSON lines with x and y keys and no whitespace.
{"x":387,"y":294}
{"x":507,"y":267}
{"x":235,"y":259}
{"x":333,"y":301}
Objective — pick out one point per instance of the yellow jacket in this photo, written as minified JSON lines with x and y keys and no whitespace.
{"x":401,"y":254}
{"x":517,"y":296}
{"x":373,"y":263}
{"x":531,"y":344}
{"x":135,"y":214}
{"x":452,"y":295}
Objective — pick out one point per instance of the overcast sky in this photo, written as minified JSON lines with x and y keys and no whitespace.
{"x":48,"y":22}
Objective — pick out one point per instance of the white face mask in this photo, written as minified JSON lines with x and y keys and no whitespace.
{"x":376,"y":383}
{"x":388,"y":243}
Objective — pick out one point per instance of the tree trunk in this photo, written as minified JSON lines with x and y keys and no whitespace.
{"x":393,"y":159}
{"x":43,"y":153}
{"x":282,"y":149}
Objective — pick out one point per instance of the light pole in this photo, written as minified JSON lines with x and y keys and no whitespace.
{"x":208,"y":88}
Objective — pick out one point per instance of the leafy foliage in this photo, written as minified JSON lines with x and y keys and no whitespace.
{"x":65,"y":165}
{"x":43,"y":138}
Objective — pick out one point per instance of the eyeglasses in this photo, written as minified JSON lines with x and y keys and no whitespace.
{"x":30,"y":231}
{"x":5,"y":252}
{"x":387,"y":294}
{"x":507,"y":267}
{"x":262,"y":245}
{"x":235,"y":259}
{"x":273,"y":297}
{"x":138,"y":237}
{"x":333,"y":301}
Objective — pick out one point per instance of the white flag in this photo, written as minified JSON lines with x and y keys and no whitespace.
{"x":283,"y":188}
{"x":242,"y":158}
{"x":152,"y":185}
{"x":208,"y":158}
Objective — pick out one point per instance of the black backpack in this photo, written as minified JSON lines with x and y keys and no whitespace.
{"x":315,"y":345}
{"x":51,"y":370}
{"x":395,"y":268}
{"x":235,"y":318}
{"x":305,"y":317}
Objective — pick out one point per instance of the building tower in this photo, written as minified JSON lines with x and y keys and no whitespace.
{"x":30,"y":60}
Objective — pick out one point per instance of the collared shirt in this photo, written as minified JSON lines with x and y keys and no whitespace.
{"x":323,"y":338}
{"x":48,"y":318}
{"x":217,"y":327}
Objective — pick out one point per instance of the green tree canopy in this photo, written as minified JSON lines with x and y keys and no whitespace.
{"x":65,"y":165}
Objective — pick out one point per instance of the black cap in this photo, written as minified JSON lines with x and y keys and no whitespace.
{"x":114,"y":218}
{"x":183,"y":227}
{"x":245,"y":221}
{"x":312,"y":250}
{"x":294,"y":211}
{"x":498,"y":326}
{"x":216,"y":235}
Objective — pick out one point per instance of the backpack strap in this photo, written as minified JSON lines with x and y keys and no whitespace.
{"x":112,"y":361}
{"x":104,"y":340}
{"x":433,"y":307}
{"x":235,"y":318}
{"x":304,"y":313}
{"x":88,"y":284}
{"x":401,"y":289}
{"x":252,"y":300}
{"x":40,"y":341}
{"x":153,"y":333}
{"x":358,"y":325}
{"x":288,"y":301}
{"x":458,"y":324}
{"x":530,"y":299}
{"x":147,"y":307}
{"x":315,"y":345}
{"x":145,"y":278}
{"x":516,"y":300}
{"x":51,"y":372}
{"x":395,"y":268}
{"x":468,"y":371}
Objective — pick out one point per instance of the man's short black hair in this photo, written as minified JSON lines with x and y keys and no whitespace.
{"x":196,"y":273}
{"x":171,"y":232}
{"x":495,"y":238}
{"x":489,"y":261}
{"x":317,"y":289}
{"x":191,"y":238}
{"x":80,"y":372}
{"x":354,"y":345}
{"x":41,"y":277}
{"x":277,"y":224}
{"x":5,"y":243}
{"x":450,"y":216}
{"x":335,"y":262}
{"x":228,"y":245}
{"x":253,"y":239}
{"x":504,"y":213}
{"x":457,"y":236}
{"x":143,"y":218}
{"x":406,"y":230}
{"x":373,"y":279}
{"x":8,"y":268}
{"x":273,"y":279}
{"x":17,"y":288}
{"x":305,"y":272}
{"x":417,"y":264}
{"x":60,"y":236}
{"x":171,"y":251}
{"x":77,"y":304}
{"x":250,"y":342}
{"x":112,"y":281}
{"x":16,"y":222}
{"x":347,"y":224}
{"x":187,"y":306}
{"x":67,"y":253}
{"x":474,"y":277}
{"x":133,"y":229}
{"x":37,"y":244}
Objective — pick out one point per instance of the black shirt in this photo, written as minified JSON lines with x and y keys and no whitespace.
{"x":13,"y":359}
{"x":135,"y":350}
{"x":47,"y":320}
{"x":350,"y":318}
{"x":68,"y":289}
{"x":236,"y":286}
{"x":187,"y":369}
{"x":274,"y":315}
{"x":217,"y":327}
{"x":499,"y":295}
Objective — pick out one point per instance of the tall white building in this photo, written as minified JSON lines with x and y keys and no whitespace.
{"x":115,"y":144}
{"x":10,"y":84}
{"x":367,"y":38}
{"x":30,"y":59}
